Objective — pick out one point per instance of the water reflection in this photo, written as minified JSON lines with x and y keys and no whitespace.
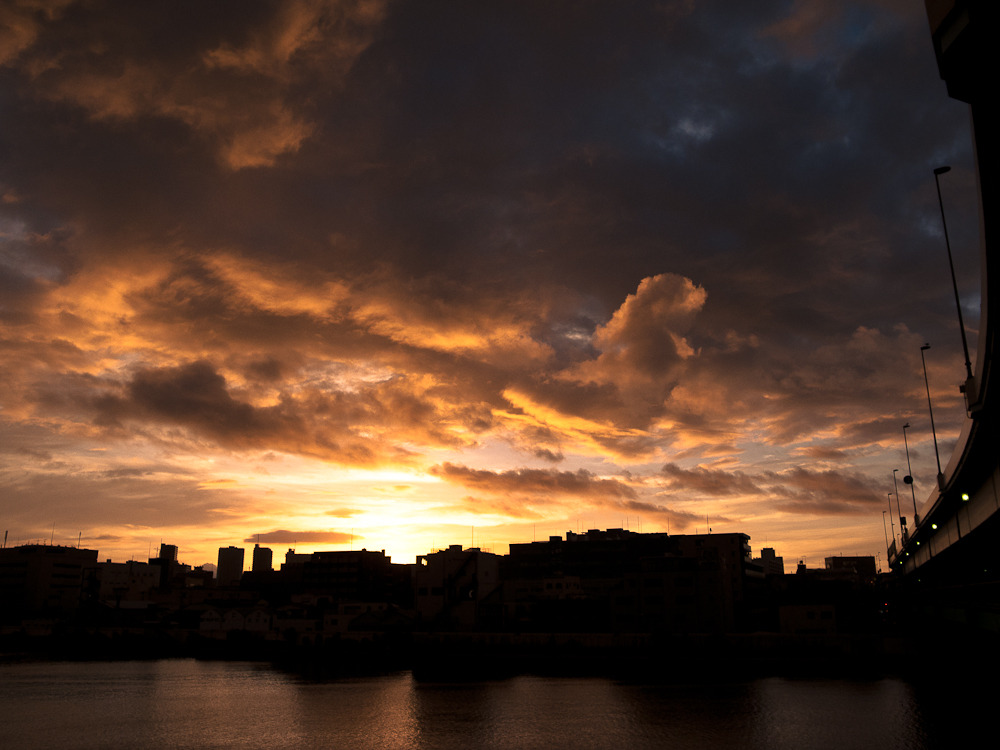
{"x":788,"y":713}
{"x":187,"y":703}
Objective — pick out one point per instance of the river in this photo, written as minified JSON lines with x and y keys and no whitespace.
{"x":186,"y":703}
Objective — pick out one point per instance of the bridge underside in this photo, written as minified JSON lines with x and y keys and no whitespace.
{"x":956,"y":589}
{"x":947,"y":573}
{"x":967,"y":501}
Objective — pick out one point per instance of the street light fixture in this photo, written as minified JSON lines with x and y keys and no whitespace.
{"x":908,"y":479}
{"x":891,"y":524}
{"x":902,"y":521}
{"x":937,"y":454}
{"x":954,"y":284}
{"x":886,"y":534}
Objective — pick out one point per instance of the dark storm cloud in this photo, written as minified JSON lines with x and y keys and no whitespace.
{"x":710,"y":482}
{"x":229,"y":77}
{"x":799,"y":490}
{"x":319,"y":423}
{"x":858,"y":389}
{"x":823,"y":492}
{"x":505,"y":151}
{"x":197,"y":394}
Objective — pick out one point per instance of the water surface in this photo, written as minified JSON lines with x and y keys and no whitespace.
{"x":186,"y":703}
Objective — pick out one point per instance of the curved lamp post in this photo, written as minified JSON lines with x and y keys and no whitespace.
{"x":891,"y":525}
{"x":908,"y":479}
{"x":937,"y":454}
{"x":886,"y":533}
{"x":902,"y":521}
{"x":954,"y":285}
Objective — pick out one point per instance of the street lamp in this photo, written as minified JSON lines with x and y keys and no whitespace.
{"x":886,"y":534}
{"x":891,"y":524}
{"x":954,"y":285}
{"x":937,"y":454}
{"x":902,"y":521}
{"x":908,"y":479}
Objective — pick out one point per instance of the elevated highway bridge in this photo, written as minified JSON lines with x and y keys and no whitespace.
{"x":948,"y":566}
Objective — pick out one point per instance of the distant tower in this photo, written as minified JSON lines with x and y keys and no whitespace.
{"x":262,"y":559}
{"x":168,"y":553}
{"x":230,"y":568}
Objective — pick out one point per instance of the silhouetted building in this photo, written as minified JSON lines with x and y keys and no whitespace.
{"x":170,"y":573}
{"x":623,"y":581}
{"x":199,"y":577}
{"x":452,"y":586}
{"x":811,"y":618}
{"x":840,"y":597}
{"x":230,"y":568}
{"x":262,"y":559}
{"x":347,"y":575}
{"x":861,"y":568}
{"x":38,"y":578}
{"x":354,"y":575}
{"x":771,"y":564}
{"x":294,"y":558}
{"x":128,"y":584}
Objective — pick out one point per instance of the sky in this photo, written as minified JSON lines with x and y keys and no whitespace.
{"x":400,"y":274}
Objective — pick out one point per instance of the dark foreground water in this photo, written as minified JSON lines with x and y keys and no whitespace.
{"x":186,"y":703}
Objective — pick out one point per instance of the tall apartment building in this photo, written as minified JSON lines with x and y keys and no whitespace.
{"x":230,"y":568}
{"x":263,"y":559}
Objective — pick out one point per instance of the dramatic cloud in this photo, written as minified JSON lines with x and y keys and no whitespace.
{"x":282,"y":536}
{"x":580,"y":483}
{"x":642,"y":348}
{"x":797,"y":490}
{"x":714,"y":483}
{"x":233,"y":85}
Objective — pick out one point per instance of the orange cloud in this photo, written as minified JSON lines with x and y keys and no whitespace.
{"x":239,"y":96}
{"x":20,"y":23}
{"x":579,"y":483}
{"x":643,"y":342}
{"x":284,"y":536}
